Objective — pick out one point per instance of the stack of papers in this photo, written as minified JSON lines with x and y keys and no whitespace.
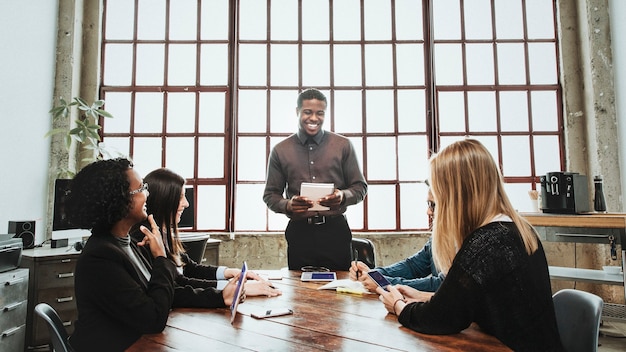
{"x":345,"y":285}
{"x":315,"y":191}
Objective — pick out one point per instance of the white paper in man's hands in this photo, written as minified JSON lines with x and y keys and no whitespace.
{"x":315,"y":191}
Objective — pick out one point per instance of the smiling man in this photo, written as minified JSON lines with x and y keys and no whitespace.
{"x":313,"y":155}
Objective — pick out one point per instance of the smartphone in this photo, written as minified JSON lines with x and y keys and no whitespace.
{"x":379,"y":278}
{"x":272,"y":313}
{"x":318,"y":276}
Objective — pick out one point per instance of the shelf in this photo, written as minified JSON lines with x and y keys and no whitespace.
{"x":585,"y":275}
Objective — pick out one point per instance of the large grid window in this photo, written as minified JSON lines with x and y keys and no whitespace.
{"x":207,"y":88}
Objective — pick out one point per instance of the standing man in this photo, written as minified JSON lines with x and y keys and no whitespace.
{"x":314,"y":238}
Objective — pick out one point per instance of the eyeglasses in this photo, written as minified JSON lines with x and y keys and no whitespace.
{"x":310,"y":268}
{"x":431,"y":205}
{"x":144,"y":187}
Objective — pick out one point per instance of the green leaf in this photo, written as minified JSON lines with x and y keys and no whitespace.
{"x":55,"y":131}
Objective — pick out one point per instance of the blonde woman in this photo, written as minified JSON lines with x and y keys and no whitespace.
{"x":496,"y":269}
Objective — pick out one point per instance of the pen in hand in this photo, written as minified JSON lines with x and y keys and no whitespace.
{"x":356,"y":263}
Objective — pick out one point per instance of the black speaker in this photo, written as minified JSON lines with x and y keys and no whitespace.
{"x":24,"y":230}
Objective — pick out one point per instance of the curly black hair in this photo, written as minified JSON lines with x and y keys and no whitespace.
{"x":99,"y":196}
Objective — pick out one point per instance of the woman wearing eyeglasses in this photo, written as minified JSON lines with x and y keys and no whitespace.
{"x":197,"y":285}
{"x":417,"y":271}
{"x":118,"y":295}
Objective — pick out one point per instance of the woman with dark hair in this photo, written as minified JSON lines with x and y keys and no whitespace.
{"x":196,"y":285}
{"x":119,"y":295}
{"x":496,"y":269}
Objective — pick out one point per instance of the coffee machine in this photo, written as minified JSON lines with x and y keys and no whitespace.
{"x":564,"y":193}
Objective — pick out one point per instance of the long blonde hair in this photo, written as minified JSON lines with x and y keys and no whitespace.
{"x":468,"y":189}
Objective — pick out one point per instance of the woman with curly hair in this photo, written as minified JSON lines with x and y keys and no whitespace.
{"x":196,"y":285}
{"x":496,"y":269}
{"x":118,"y":294}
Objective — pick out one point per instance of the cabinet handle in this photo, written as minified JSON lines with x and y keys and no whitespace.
{"x":67,"y":323}
{"x":65,"y":275}
{"x":11,"y":331}
{"x":65,"y":260}
{"x":65,"y":299}
{"x":12,"y":306}
{"x":14,"y":282}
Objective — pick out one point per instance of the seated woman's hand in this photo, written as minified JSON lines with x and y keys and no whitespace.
{"x":413,"y":295}
{"x":261,"y":288}
{"x":365,"y":279}
{"x":228,"y":293}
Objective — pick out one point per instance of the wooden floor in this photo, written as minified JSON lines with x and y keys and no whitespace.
{"x":612,"y":337}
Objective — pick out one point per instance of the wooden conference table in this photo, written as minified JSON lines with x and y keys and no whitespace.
{"x":323,"y":320}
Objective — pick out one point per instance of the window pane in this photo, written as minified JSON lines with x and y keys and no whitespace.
{"x":509,"y":19}
{"x":283,"y":118}
{"x":451,"y":112}
{"x":412,"y":158}
{"x":479,"y":64}
{"x":182,"y":19}
{"x":511,"y":64}
{"x":212,"y":112}
{"x":348,"y":109}
{"x":347,"y":65}
{"x":447,"y":19}
{"x":252,"y":19}
{"x":381,"y":207}
{"x":118,"y":104}
{"x":381,"y":161}
{"x":515,"y":155}
{"x":251,"y":160}
{"x":211,"y":207}
{"x":481,"y":110}
{"x":284,"y":17}
{"x":146,"y":154}
{"x":210,"y":157}
{"x":544,"y":110}
{"x":518,"y":195}
{"x":180,"y":155}
{"x":377,"y":19}
{"x":540,"y":18}
{"x":118,"y":64}
{"x":354,"y":214}
{"x":378,"y":65}
{"x":150,"y":63}
{"x":148,"y":112}
{"x":413,"y":207}
{"x":380,"y":111}
{"x":284,"y":62}
{"x":315,"y":65}
{"x":409,"y":23}
{"x":214,"y":17}
{"x":249,"y":207}
{"x":181,"y":112}
{"x":315,"y":21}
{"x":542,"y":63}
{"x":346,"y":20}
{"x":411,"y":110}
{"x":119,"y":20}
{"x":410,"y":66}
{"x":275,"y":221}
{"x":151,"y":20}
{"x":477,"y":16}
{"x":514,"y":111}
{"x":252,"y":64}
{"x":182,"y":65}
{"x":214,"y":64}
{"x":547,"y":162}
{"x":448,"y":64}
{"x":251,"y":104}
{"x":119,"y":147}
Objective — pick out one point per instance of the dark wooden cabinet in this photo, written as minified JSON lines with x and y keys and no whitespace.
{"x":13,"y":307}
{"x":51,"y":281}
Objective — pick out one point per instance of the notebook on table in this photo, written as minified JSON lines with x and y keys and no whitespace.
{"x":239,"y":291}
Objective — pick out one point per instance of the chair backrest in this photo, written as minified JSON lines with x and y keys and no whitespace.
{"x":195,"y":245}
{"x":58,"y":334}
{"x":578,"y":315}
{"x":363,"y":249}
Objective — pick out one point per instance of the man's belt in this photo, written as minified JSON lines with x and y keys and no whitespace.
{"x":319,"y":219}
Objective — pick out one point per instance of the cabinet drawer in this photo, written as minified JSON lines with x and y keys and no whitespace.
{"x":12,"y":340}
{"x":12,"y":315}
{"x":60,"y":299}
{"x":13,"y":287}
{"x":56,"y":274}
{"x":41,"y":335}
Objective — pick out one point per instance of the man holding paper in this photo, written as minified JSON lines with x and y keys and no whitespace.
{"x":312,"y":177}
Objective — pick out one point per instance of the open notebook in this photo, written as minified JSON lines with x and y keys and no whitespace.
{"x":239,"y":291}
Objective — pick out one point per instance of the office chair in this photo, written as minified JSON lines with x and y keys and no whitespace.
{"x":578,"y":315}
{"x":363,"y":249}
{"x":58,"y":334}
{"x":195,"y":245}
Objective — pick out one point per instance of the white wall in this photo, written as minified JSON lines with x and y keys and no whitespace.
{"x":617,"y":9}
{"x":27,"y":44}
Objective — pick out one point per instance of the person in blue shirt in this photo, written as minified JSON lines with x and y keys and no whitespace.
{"x":417,"y":271}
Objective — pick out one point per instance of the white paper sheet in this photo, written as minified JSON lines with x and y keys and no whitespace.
{"x":315,"y":191}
